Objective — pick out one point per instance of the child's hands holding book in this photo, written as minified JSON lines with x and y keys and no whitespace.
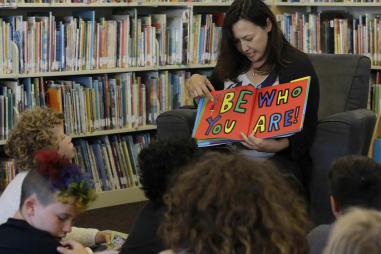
{"x":264,"y":145}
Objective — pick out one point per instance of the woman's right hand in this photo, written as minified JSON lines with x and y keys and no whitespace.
{"x":200,"y":86}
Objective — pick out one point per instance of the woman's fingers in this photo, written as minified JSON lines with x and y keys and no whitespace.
{"x":200,"y":86}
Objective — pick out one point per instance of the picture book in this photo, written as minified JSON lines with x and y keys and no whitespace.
{"x":268,"y":112}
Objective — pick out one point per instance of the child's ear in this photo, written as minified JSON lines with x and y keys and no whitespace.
{"x":30,"y":205}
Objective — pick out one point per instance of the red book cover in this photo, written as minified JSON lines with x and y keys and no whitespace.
{"x":268,"y":112}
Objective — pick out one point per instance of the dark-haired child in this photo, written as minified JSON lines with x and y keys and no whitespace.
{"x":159,"y":162}
{"x":355,"y":181}
{"x":53,"y":194}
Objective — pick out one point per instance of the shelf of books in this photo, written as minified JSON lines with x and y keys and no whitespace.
{"x":327,"y":3}
{"x":111,"y":67}
{"x":334,"y":31}
{"x":105,"y":71}
{"x":340,"y":27}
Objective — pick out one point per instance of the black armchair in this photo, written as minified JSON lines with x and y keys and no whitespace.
{"x":345,"y":125}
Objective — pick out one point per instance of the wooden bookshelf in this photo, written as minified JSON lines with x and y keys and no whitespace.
{"x":118,"y":197}
{"x":106,"y":132}
{"x":104,"y":71}
{"x":133,"y":194}
{"x":326,"y":4}
{"x":113,"y":5}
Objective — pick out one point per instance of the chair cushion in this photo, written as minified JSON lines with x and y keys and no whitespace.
{"x":341,"y":89}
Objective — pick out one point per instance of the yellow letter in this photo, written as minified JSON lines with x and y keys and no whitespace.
{"x":282,"y":97}
{"x":227,"y":104}
{"x":261,"y":124}
{"x":229,"y":129}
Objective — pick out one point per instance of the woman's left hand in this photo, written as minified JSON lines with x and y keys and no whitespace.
{"x":264,"y":145}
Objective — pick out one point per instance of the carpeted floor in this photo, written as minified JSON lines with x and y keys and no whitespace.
{"x":119,"y":218}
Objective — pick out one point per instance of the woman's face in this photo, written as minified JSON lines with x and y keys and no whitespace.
{"x":251,"y":40}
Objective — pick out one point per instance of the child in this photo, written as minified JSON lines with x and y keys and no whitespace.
{"x":53,"y":194}
{"x":226,"y":203}
{"x":355,"y":181}
{"x":159,"y":163}
{"x":356,"y":232}
{"x":36,"y":129}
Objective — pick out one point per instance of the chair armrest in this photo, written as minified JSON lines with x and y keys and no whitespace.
{"x":344,"y":133}
{"x":337,"y":135}
{"x":176,"y":124}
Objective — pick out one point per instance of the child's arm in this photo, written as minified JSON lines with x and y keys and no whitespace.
{"x":88,"y":236}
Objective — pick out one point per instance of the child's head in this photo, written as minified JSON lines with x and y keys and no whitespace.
{"x":160,"y":161}
{"x":36,"y":129}
{"x":358,"y":231}
{"x":229,"y":204}
{"x":355,"y":181}
{"x":53,"y":193}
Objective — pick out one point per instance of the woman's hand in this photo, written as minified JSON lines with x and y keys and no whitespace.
{"x":264,"y":145}
{"x":200,"y":86}
{"x":72,"y":247}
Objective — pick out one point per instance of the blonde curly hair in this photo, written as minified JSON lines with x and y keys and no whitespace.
{"x":32,"y":132}
{"x":228,"y":204}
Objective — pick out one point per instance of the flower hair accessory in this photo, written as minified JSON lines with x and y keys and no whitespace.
{"x":65,"y":178}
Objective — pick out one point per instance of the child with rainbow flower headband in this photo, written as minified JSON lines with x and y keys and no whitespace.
{"x":53,"y":193}
{"x":36,"y":129}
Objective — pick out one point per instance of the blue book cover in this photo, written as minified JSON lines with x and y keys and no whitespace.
{"x":377,"y":150}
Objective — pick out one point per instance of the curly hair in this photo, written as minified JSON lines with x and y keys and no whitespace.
{"x":228,"y":204}
{"x":159,"y":162}
{"x":32,"y":132}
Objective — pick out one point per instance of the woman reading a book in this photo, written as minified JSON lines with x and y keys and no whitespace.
{"x":255,"y":52}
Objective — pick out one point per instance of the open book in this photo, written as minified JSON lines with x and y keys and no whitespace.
{"x":269,"y":112}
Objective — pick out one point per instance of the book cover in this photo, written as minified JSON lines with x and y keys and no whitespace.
{"x":267,"y":112}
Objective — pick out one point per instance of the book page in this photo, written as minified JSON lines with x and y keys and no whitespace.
{"x":223,"y":120}
{"x":279,"y":110}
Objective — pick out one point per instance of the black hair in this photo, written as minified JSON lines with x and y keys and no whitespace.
{"x":160,"y":161}
{"x":355,"y":180}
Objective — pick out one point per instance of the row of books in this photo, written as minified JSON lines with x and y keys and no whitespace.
{"x":111,"y":161}
{"x":7,"y":173}
{"x":375,"y":94}
{"x":15,"y":2}
{"x":47,"y":43}
{"x":330,"y":1}
{"x":89,"y":103}
{"x":334,"y":32}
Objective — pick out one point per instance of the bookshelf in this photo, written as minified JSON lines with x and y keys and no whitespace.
{"x":105,"y":71}
{"x":45,"y":69}
{"x":118,"y":197}
{"x":343,"y":27}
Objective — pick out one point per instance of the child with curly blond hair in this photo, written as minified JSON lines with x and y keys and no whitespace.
{"x":36,"y":129}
